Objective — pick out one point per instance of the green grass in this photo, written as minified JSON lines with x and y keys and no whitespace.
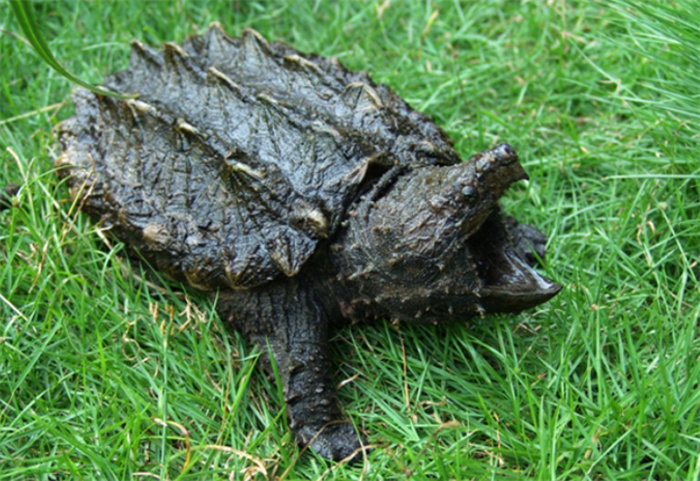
{"x":103,"y":375}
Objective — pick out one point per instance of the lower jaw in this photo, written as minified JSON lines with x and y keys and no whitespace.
{"x":497,"y":299}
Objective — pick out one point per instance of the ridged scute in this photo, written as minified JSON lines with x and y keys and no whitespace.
{"x":238,"y":155}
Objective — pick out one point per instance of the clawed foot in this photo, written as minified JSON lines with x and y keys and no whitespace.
{"x":336,"y":440}
{"x":286,"y":319}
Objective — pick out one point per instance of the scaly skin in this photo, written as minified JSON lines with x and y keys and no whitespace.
{"x":427,"y":246}
{"x":288,"y":318}
{"x":304,"y":194}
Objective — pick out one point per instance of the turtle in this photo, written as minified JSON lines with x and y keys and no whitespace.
{"x":301,"y":196}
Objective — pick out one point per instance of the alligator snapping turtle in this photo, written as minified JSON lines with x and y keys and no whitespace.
{"x":301,"y":195}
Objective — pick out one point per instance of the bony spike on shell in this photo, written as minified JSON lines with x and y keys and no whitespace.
{"x":300,"y":194}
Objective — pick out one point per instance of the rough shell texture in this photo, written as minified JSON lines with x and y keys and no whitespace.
{"x":303,"y":196}
{"x":238,"y":155}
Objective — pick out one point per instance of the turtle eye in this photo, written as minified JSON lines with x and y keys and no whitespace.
{"x":469,"y":191}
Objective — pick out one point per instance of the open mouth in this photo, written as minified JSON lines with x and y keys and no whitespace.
{"x":512,"y":285}
{"x":509,"y":281}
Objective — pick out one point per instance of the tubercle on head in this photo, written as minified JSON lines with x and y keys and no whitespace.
{"x":410,"y":241}
{"x":428,"y":209}
{"x":488,"y":174}
{"x":466,"y":193}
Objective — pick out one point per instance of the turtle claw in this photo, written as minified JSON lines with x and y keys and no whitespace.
{"x":337,"y":441}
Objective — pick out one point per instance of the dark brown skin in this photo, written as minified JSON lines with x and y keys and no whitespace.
{"x":302,"y":196}
{"x":416,"y":250}
{"x":434,"y":247}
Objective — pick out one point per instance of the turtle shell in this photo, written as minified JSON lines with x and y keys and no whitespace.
{"x":237,"y":156}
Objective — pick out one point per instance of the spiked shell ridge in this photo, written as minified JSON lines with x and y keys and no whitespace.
{"x":238,"y":156}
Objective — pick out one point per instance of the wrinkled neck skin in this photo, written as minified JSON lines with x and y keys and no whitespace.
{"x":433,"y":246}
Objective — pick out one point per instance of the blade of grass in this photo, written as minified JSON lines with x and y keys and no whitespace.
{"x":30,"y":26}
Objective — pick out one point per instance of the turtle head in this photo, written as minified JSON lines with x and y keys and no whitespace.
{"x":435,"y":246}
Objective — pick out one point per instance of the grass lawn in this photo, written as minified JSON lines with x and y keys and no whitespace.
{"x":107,"y":375}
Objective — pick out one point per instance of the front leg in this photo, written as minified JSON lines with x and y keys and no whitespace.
{"x":286,"y":316}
